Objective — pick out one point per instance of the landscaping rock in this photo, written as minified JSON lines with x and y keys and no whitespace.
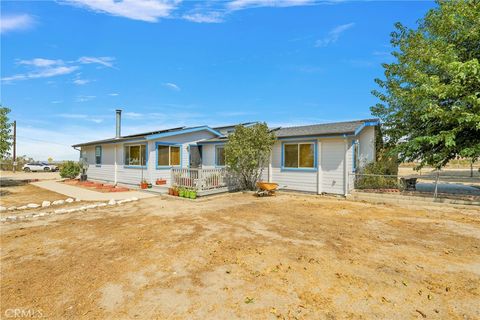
{"x":12,"y":208}
{"x":3,"y":208}
{"x":46,"y":204}
{"x":58,"y":202}
{"x":22,"y":208}
{"x":32,"y":205}
{"x":3,"y":219}
{"x":77,"y":200}
{"x":112,"y":202}
{"x":60,"y":211}
{"x":12,"y":218}
{"x":69,"y":200}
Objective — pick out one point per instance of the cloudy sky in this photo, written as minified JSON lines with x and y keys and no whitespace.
{"x":67,"y":65}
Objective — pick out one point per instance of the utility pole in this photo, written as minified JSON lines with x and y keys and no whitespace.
{"x":14,"y":145}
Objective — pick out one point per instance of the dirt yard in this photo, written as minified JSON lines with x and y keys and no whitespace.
{"x":240,"y":257}
{"x":17,"y":193}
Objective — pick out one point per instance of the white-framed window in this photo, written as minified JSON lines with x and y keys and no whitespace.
{"x":136,"y":155}
{"x":299,"y":155}
{"x":98,"y":155}
{"x":220,"y":156}
{"x":168,"y":155}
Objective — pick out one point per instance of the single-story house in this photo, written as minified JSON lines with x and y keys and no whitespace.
{"x":318,"y":158}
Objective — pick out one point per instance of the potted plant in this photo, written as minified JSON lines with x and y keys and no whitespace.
{"x":181,"y":192}
{"x":193,"y":194}
{"x":160,"y":182}
{"x":175,"y":191}
{"x":149,"y":185}
{"x":144,"y":184}
{"x":170,"y":191}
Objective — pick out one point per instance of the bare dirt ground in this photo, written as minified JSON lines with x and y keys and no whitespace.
{"x":19,"y":194}
{"x":240,"y":257}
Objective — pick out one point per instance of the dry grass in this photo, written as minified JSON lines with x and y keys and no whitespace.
{"x":236,"y":256}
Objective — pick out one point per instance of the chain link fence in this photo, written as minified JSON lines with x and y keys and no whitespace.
{"x":435,"y":185}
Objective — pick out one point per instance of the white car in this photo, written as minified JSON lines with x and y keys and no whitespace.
{"x":39,"y":166}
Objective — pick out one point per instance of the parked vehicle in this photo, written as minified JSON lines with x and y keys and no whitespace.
{"x":39,"y":166}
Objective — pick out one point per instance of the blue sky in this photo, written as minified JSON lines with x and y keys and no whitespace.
{"x":67,"y":65}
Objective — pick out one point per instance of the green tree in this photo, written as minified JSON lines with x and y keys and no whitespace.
{"x":5,"y":133}
{"x":247,"y":153}
{"x":430,"y":97}
{"x":70,"y":170}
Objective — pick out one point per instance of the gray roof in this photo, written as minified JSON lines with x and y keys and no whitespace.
{"x":138,"y":136}
{"x":336,"y":128}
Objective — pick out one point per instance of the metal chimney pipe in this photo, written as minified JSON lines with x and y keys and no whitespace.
{"x":119,"y":123}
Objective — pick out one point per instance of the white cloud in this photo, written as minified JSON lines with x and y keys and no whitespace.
{"x":16,"y":22}
{"x":40,"y":62}
{"x":42,"y":73}
{"x":83,"y":98}
{"x":45,"y":68}
{"x":56,"y":101}
{"x":86,"y":117}
{"x":244,"y":4}
{"x":333,"y":35}
{"x":208,"y":17}
{"x":144,"y":10}
{"x":104,"y":61}
{"x":81,"y":82}
{"x":171,"y":86}
{"x":113,"y":94}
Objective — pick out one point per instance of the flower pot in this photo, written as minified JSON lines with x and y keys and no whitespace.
{"x":181,"y":193}
{"x":175,"y":192}
{"x":160,"y":182}
{"x":193,"y":194}
{"x":149,"y":185}
{"x":170,"y":191}
{"x":144,"y":185}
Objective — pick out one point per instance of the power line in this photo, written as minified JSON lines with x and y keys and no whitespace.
{"x":45,"y":141}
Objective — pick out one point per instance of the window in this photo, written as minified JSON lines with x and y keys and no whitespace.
{"x":98,"y":155}
{"x":168,"y":155}
{"x":355,"y":155}
{"x":136,"y":155}
{"x":299,"y":155}
{"x":219,"y":155}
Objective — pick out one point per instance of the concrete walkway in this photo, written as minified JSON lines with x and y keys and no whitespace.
{"x":89,"y":195}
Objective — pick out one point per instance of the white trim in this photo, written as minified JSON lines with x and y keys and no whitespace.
{"x":319,"y":167}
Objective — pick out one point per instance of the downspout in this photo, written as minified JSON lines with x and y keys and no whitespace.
{"x":270,"y":178}
{"x":345,"y":172}
{"x":319,"y":167}
{"x":118,"y":134}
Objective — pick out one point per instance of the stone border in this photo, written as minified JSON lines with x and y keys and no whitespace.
{"x":64,"y":211}
{"x":44,"y":204}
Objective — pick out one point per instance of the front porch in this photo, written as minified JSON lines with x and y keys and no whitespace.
{"x":205,"y":181}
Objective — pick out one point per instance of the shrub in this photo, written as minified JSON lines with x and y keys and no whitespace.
{"x":247,"y":153}
{"x":70,"y":170}
{"x":382,"y":174}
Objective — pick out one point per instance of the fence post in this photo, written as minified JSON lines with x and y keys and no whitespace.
{"x":436,"y":185}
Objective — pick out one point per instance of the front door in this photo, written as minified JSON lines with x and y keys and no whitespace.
{"x":195,"y":156}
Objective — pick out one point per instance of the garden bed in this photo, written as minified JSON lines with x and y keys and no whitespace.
{"x":97,"y":186}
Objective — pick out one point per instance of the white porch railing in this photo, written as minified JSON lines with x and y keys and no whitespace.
{"x":200,"y":179}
